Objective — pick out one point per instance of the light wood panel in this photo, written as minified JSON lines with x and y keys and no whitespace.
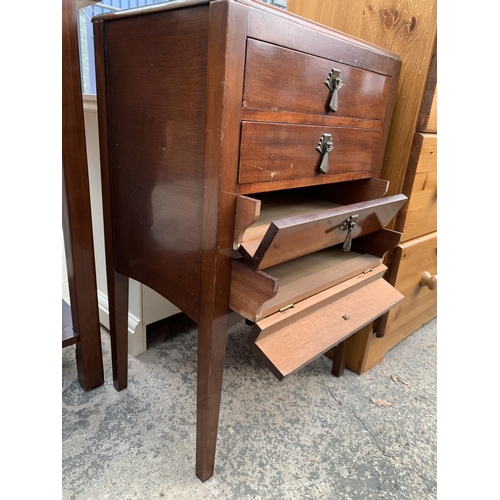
{"x":420,"y":214}
{"x":412,"y":260}
{"x":256,"y":294}
{"x":407,"y":28}
{"x":319,"y":323}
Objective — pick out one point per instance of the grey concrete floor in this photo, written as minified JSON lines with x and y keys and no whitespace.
{"x":310,"y":436}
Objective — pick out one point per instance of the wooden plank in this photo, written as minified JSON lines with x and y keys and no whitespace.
{"x":407,"y":28}
{"x":256,"y":294}
{"x":247,"y":213}
{"x":277,"y":206}
{"x":76,"y":211}
{"x":224,"y":87}
{"x":289,"y":345}
{"x":157,"y":146}
{"x":250,"y":289}
{"x":311,"y":274}
{"x":419,"y":215}
{"x":339,"y":357}
{"x":259,"y":115}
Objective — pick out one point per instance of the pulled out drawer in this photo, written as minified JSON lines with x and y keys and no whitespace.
{"x":272,"y":228}
{"x":310,"y":272}
{"x":287,"y":341}
{"x":309,"y":305}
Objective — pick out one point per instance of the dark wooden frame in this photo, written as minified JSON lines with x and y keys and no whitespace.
{"x":80,"y":325}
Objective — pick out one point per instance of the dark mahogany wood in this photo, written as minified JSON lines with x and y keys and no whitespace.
{"x":377,"y":243}
{"x":281,"y":79}
{"x":274,"y":116}
{"x":338,"y":364}
{"x":170,"y":84}
{"x":226,"y":46}
{"x":293,"y":237}
{"x":158,"y":86}
{"x":273,"y":152}
{"x":77,"y":222}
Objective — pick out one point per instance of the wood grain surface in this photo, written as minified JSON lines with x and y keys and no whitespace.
{"x":407,"y":28}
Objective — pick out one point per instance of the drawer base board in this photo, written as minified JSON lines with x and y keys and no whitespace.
{"x":287,"y":345}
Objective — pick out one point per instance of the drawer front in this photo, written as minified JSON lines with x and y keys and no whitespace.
{"x":288,"y":340}
{"x":294,"y":237}
{"x":273,"y":152}
{"x":421,"y":211}
{"x":410,"y":261}
{"x":280,"y":79}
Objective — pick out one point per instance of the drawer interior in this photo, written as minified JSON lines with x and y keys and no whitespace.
{"x":275,"y":227}
{"x":256,"y":294}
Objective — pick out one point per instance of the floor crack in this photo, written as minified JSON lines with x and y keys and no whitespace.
{"x":377,"y":445}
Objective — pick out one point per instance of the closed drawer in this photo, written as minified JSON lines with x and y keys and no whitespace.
{"x":411,"y":262}
{"x":290,"y":336}
{"x":279,"y":79}
{"x":421,"y":211}
{"x":292,"y":223}
{"x":276,"y":152}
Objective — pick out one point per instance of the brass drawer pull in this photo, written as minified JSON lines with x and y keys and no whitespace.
{"x":348,"y":226}
{"x":325,"y":145}
{"x":334,"y":83}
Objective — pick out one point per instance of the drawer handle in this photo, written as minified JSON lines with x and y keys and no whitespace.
{"x":325,"y":145}
{"x":334,"y":83}
{"x":348,"y":225}
{"x":429,"y":280}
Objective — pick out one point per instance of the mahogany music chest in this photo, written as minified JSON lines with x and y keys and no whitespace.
{"x":241,"y":148}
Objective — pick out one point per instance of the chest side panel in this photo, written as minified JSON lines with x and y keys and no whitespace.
{"x":155,"y":72}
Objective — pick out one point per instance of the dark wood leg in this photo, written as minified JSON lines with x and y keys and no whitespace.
{"x":118,"y":328}
{"x":77,"y":221}
{"x":338,"y":365}
{"x":211,"y":353}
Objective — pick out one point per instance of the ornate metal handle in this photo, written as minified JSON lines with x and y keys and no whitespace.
{"x":348,"y":225}
{"x":325,"y":145}
{"x":334,"y":83}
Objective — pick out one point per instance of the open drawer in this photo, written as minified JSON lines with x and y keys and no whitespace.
{"x":304,"y":307}
{"x":276,"y":227}
{"x":304,"y":289}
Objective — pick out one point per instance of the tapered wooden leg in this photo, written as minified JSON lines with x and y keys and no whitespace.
{"x":338,"y":365}
{"x":211,"y":353}
{"x":118,"y":328}
{"x":76,"y":212}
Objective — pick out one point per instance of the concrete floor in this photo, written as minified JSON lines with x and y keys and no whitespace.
{"x":311,"y":436}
